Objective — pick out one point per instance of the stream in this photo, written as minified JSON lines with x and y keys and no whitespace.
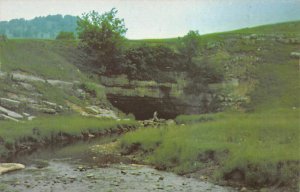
{"x":72,"y":168}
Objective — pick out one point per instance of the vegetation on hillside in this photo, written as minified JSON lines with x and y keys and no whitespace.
{"x":257,"y":150}
{"x":101,"y":37}
{"x":64,"y":35}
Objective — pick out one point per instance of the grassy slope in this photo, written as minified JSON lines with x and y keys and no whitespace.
{"x":263,"y":145}
{"x":46,"y":58}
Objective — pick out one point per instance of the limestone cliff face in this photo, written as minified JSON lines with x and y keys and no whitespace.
{"x":143,"y":98}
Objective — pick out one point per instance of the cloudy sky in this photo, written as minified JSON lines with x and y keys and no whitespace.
{"x":164,"y":18}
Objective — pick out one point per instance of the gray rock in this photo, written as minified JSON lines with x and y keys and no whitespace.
{"x":100,"y":112}
{"x":30,"y":118}
{"x":27,"y":86}
{"x":295,"y":54}
{"x":50,"y":104}
{"x":10,"y":113}
{"x":41,"y":108}
{"x":5,"y":117}
{"x":9,"y":103}
{"x":26,"y":114}
{"x":8,"y":167}
{"x":60,"y":83}
{"x":80,"y":93}
{"x":26,"y":78}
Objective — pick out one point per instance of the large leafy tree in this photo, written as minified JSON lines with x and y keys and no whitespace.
{"x":190,"y":45}
{"x":102,"y":36}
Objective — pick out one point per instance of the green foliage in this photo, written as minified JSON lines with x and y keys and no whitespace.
{"x":190,"y":45}
{"x":65,"y":35}
{"x":255,"y":143}
{"x":102,"y":37}
{"x":3,"y":37}
{"x":94,"y":89}
{"x":189,"y":119}
{"x":147,"y":63}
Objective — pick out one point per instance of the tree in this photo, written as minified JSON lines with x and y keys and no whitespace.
{"x":102,"y":37}
{"x":64,"y":35}
{"x":190,"y":45}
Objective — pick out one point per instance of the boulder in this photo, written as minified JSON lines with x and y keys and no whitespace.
{"x":10,"y":113}
{"x":9,"y":103}
{"x":41,"y":108}
{"x":8,"y":167}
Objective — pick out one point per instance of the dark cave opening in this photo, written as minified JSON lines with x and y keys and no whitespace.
{"x":144,"y":107}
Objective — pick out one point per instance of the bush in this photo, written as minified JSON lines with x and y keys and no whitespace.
{"x":147,"y":63}
{"x":3,"y":37}
{"x":64,"y":35}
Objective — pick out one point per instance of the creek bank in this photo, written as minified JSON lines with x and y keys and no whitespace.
{"x":88,"y":166}
{"x":29,"y":144}
{"x":234,"y":179}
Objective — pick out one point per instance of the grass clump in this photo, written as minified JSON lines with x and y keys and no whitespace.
{"x":94,"y":89}
{"x":257,"y":149}
{"x":188,"y":119}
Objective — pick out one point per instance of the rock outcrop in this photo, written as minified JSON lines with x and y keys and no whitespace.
{"x":142,"y":98}
{"x":10,"y":113}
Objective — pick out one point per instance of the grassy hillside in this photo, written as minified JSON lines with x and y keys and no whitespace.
{"x":258,"y":57}
{"x":257,"y":148}
{"x":255,"y":142}
{"x":45,"y":58}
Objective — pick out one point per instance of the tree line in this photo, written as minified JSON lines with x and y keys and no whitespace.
{"x":47,"y":27}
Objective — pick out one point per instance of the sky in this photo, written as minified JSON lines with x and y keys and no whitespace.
{"x":164,"y":18}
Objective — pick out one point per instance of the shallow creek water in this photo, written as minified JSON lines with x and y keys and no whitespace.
{"x":71,"y":169}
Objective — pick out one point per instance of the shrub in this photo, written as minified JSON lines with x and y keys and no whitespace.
{"x":64,"y":35}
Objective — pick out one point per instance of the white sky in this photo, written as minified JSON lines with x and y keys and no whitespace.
{"x":164,"y":18}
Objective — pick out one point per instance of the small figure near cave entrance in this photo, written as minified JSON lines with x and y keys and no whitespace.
{"x":155,"y":114}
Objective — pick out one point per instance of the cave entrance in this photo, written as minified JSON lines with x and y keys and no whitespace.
{"x":144,"y":107}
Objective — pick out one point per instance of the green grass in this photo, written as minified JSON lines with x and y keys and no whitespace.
{"x":254,"y":143}
{"x":12,"y":132}
{"x":262,"y":144}
{"x":189,"y":119}
{"x":46,"y":58}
